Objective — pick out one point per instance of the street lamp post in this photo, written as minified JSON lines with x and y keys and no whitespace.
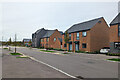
{"x":2,"y":42}
{"x":15,"y":43}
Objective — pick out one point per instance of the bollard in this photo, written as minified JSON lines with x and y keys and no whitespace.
{"x":9,"y":48}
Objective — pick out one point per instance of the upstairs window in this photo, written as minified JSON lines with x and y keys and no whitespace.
{"x":119,"y":30}
{"x":77,"y":36}
{"x":69,"y":36}
{"x":46,"y":39}
{"x":41,"y":40}
{"x":84,"y":34}
{"x":54,"y":39}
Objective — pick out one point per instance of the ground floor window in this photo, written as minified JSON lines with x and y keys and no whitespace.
{"x":65,"y":45}
{"x":84,"y":45}
{"x":117,"y":45}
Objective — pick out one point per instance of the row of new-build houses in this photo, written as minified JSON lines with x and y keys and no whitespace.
{"x":47,"y":38}
{"x":87,"y":36}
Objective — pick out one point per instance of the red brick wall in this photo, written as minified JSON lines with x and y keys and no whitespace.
{"x":45,"y":42}
{"x":114,"y":34}
{"x":55,"y":44}
{"x":51,"y":43}
{"x":96,"y":38}
{"x":81,"y":40}
{"x":99,"y":36}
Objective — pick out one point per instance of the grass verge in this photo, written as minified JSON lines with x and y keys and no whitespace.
{"x":15,"y":54}
{"x":5,"y":48}
{"x":47,"y":51}
{"x":114,"y":59}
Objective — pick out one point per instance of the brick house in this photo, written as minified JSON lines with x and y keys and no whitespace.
{"x":26,"y":42}
{"x":47,"y":38}
{"x":115,"y":35}
{"x":52,"y":39}
{"x":88,"y":36}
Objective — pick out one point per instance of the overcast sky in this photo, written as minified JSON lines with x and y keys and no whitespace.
{"x":25,"y":18}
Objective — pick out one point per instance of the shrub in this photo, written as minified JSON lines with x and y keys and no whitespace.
{"x":69,"y":51}
{"x":95,"y":52}
{"x":49,"y":48}
{"x":59,"y":49}
{"x":113,"y":54}
{"x":80,"y":51}
{"x":41,"y":48}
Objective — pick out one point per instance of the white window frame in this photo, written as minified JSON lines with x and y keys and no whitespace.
{"x":84,"y":34}
{"x":77,"y":36}
{"x":54,"y":39}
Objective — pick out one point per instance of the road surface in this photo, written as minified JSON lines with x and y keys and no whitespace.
{"x":76,"y":65}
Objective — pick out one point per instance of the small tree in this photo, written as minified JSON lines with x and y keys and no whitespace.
{"x":10,"y":41}
{"x":66,"y":38}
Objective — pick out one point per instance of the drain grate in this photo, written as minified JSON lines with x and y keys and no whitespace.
{"x":79,"y":77}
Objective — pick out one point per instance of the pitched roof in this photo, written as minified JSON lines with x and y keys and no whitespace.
{"x":48,"y":33}
{"x":45,"y":33}
{"x":116,"y":20}
{"x":83,"y":26}
{"x":39,"y":30}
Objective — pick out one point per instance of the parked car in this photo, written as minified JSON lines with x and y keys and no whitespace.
{"x":105,"y":50}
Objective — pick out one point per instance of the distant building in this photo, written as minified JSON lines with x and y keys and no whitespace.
{"x":88,"y":36}
{"x":115,"y":35}
{"x":27,"y":42}
{"x":47,"y":38}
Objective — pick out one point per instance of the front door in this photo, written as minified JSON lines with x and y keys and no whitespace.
{"x":76,"y":47}
{"x":70,"y":47}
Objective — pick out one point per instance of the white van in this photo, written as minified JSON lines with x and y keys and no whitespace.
{"x":105,"y":50}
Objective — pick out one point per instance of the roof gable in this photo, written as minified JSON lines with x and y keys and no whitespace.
{"x":83,"y":26}
{"x":116,"y":20}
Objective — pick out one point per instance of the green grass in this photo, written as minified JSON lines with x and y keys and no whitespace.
{"x":5,"y":48}
{"x":113,"y":54}
{"x":15,"y":54}
{"x":114,"y":59}
{"x":47,"y":51}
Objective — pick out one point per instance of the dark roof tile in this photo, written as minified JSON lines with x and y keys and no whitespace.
{"x":83,"y":26}
{"x":116,"y":20}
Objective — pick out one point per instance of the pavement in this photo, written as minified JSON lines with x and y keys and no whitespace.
{"x":13,"y":67}
{"x":86,"y":66}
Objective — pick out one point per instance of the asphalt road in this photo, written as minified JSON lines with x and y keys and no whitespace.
{"x":13,"y":67}
{"x":76,"y":65}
